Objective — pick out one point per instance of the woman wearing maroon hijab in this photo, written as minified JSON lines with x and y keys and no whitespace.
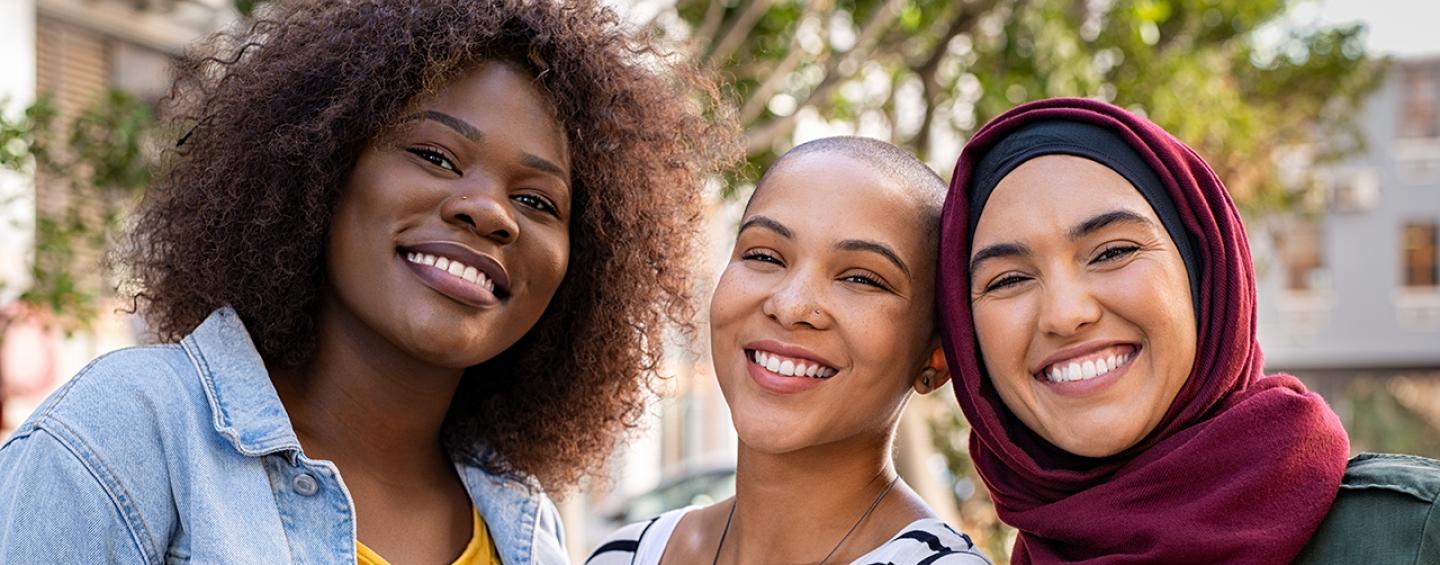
{"x":1097,"y":301}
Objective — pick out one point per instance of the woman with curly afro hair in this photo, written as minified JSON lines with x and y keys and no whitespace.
{"x":430,"y":246}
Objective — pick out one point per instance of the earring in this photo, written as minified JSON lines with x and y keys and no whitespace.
{"x":925,"y":376}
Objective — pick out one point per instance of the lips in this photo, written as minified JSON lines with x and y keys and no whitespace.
{"x":455,"y":271}
{"x":461,"y":262}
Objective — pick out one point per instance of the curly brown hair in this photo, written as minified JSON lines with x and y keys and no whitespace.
{"x":277,"y":114}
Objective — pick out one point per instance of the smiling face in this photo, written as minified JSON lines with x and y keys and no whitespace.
{"x":452,"y":234}
{"x":1081,"y":304}
{"x":823,"y":317}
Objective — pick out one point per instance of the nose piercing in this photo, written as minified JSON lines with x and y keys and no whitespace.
{"x":817,"y":311}
{"x":463,"y":197}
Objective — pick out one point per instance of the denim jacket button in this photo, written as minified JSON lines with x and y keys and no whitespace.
{"x":305,"y":484}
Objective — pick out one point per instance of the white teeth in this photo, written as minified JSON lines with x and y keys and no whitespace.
{"x":1085,"y":370}
{"x":456,"y":268}
{"x":790,"y":367}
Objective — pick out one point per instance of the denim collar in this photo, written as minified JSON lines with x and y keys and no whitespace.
{"x":244,"y":406}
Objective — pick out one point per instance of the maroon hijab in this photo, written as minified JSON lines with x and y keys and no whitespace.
{"x":1242,"y":468}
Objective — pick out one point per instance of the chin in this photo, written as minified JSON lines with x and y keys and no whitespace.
{"x":770,"y":437}
{"x":1095,"y":447}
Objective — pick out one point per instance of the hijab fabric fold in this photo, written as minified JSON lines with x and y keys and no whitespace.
{"x":1242,"y":468}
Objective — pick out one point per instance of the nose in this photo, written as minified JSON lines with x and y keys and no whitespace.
{"x":797,"y":302}
{"x":484,"y":210}
{"x":1069,"y":306}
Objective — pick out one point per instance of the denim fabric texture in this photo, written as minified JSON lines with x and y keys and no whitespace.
{"x":184,"y":453}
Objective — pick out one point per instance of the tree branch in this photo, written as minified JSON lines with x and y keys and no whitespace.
{"x":762,"y":136}
{"x":755,"y":105}
{"x":963,"y":21}
{"x":714,"y":14}
{"x":737,"y":32}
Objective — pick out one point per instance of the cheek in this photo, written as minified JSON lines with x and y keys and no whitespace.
{"x":553,"y":258}
{"x":1002,"y":332}
{"x":731,"y":295}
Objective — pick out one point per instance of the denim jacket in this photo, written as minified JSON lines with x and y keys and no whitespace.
{"x":184,"y":453}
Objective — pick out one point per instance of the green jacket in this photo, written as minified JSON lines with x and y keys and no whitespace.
{"x":1388,"y":511}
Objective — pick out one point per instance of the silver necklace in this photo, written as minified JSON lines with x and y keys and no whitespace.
{"x":874,"y":504}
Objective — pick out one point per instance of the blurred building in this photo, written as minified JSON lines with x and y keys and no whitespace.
{"x":73,"y":52}
{"x":1352,"y":290}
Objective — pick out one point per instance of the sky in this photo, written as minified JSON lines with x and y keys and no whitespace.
{"x":1395,"y":27}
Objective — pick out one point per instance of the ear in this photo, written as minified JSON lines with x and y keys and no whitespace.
{"x":935,"y":373}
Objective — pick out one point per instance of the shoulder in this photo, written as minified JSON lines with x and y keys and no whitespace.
{"x":1411,"y":475}
{"x":93,"y":452}
{"x":641,"y":543}
{"x":927,"y":541}
{"x":124,"y":402}
{"x":1386,"y":507}
{"x":122,"y":384}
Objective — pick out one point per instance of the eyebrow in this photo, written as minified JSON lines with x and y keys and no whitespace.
{"x":537,"y":162}
{"x":767,"y":223}
{"x":1101,"y":221}
{"x":471,"y":133}
{"x":877,"y":248}
{"x":460,"y":126}
{"x":997,"y":251}
{"x":1085,"y":228}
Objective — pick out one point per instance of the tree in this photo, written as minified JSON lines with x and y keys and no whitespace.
{"x":100,"y":157}
{"x":926,"y":73}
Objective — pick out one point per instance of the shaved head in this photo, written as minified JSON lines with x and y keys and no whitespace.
{"x":893,"y":162}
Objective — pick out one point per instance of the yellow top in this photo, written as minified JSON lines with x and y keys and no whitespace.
{"x":480,"y":551}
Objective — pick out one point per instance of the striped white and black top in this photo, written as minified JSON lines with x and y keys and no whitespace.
{"x":922,"y":542}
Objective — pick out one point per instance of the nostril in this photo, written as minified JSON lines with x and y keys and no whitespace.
{"x":466,"y":218}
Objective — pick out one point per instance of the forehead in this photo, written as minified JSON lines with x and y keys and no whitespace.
{"x":1052,"y":193}
{"x":500,"y":99}
{"x":831,"y":194}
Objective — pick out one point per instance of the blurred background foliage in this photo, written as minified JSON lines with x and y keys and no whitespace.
{"x":104,"y":157}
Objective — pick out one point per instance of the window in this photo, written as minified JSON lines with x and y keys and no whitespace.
{"x":1298,"y":243}
{"x":1419,"y":102}
{"x":1418,"y":244}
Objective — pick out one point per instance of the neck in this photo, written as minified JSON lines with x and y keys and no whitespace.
{"x":796,"y":506}
{"x":368,"y":406}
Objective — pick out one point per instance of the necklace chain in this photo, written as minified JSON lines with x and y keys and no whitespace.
{"x":873,"y":505}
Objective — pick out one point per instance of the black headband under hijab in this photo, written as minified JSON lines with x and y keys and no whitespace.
{"x":1096,"y":144}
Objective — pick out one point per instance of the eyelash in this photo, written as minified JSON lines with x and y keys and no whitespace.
{"x":865,"y":279}
{"x":868,"y":280}
{"x":440,"y":160}
{"x":1115,"y":252}
{"x":538,"y":203}
{"x":1108,"y":254}
{"x":1005,"y":282}
{"x":761,"y":256}
{"x":435,"y":158}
